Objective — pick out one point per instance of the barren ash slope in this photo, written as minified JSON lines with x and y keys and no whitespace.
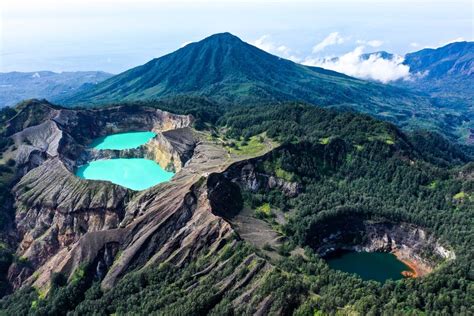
{"x":260,"y":195}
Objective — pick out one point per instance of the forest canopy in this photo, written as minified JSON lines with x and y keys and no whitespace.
{"x":347,"y":163}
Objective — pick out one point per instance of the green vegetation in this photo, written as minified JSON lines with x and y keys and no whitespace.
{"x":433,"y":185}
{"x":249,"y":76}
{"x":275,"y":167}
{"x":384,"y":174}
{"x":459,"y":196}
{"x":7,"y":176}
{"x":264,"y":209}
{"x":463,"y":196}
{"x":324,"y":140}
{"x":252,"y":146}
{"x":366,"y":168}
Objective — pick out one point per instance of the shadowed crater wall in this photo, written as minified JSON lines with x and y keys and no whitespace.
{"x":364,"y":233}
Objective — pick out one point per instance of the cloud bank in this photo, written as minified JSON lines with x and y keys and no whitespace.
{"x":265,"y":43}
{"x":373,"y":68}
{"x":332,"y":39}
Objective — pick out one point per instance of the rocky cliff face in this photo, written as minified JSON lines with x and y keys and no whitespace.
{"x":171,"y":222}
{"x":54,"y":208}
{"x":409,"y":242}
{"x":170,"y":149}
{"x":247,"y":175}
{"x":64,"y":222}
{"x":42,"y":131}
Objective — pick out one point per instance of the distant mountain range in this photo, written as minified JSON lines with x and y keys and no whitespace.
{"x":227,"y":70}
{"x":17,"y":86}
{"x":452,"y":60}
{"x":224,"y":69}
{"x":446,"y":73}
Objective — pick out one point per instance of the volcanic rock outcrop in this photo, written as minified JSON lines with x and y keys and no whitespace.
{"x":54,"y":208}
{"x":65,"y":223}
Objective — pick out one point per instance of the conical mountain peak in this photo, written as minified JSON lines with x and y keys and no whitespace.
{"x":228,"y":70}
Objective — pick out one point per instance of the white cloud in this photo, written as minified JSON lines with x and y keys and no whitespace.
{"x":415,"y":44}
{"x":185,"y":43}
{"x":266,"y":44}
{"x":332,"y":39}
{"x":374,"y":68}
{"x":283,"y":49}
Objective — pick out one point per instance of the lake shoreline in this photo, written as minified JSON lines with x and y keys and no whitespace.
{"x":417,"y":269}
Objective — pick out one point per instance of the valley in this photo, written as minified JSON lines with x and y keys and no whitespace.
{"x":18,"y":86}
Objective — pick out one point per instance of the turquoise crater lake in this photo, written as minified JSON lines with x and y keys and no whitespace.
{"x":134,"y":173}
{"x":378,"y":266}
{"x":122,"y":141}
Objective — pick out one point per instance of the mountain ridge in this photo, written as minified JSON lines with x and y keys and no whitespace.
{"x":452,"y":59}
{"x":229,"y":71}
{"x":218,"y":59}
{"x":215,"y":52}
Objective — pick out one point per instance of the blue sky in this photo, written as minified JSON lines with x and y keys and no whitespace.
{"x":114,"y":35}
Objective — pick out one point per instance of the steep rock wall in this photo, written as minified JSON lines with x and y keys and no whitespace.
{"x":246,"y":174}
{"x":409,"y":242}
{"x":172,"y":222}
{"x":54,"y":208}
{"x":50,"y":132}
{"x":170,"y":149}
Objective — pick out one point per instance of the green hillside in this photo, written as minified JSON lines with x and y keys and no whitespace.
{"x":351,"y":167}
{"x":446,"y":74}
{"x":229,"y":71}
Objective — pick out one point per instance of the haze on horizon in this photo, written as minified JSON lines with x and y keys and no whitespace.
{"x":114,"y":35}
